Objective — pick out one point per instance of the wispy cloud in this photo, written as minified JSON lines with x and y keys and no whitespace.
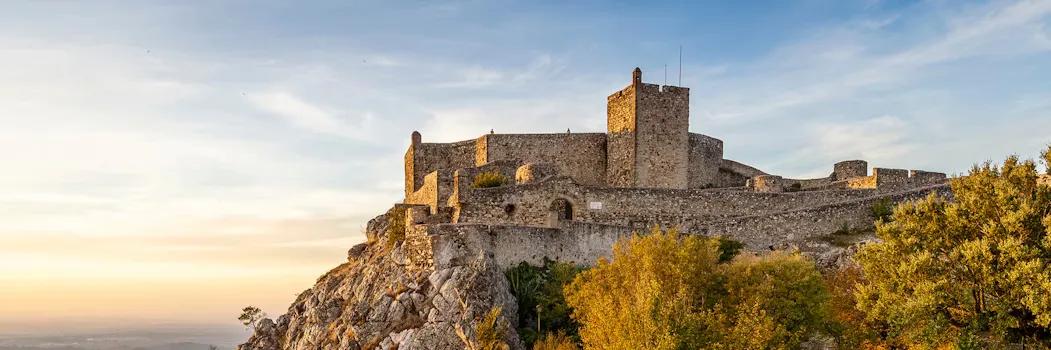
{"x":302,"y":114}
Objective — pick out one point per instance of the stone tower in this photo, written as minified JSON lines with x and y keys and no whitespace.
{"x":648,"y":135}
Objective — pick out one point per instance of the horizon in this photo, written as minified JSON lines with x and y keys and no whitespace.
{"x":169,"y":164}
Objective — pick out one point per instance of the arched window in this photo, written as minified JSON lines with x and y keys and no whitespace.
{"x":562,"y":209}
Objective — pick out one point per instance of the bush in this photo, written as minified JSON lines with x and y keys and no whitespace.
{"x":848,"y":324}
{"x":541,"y":301}
{"x":395,"y":231}
{"x":1045,"y":156}
{"x":974,"y":266}
{"x":555,"y":341}
{"x":489,"y":179}
{"x":882,"y":210}
{"x":490,"y":332}
{"x":728,"y":249}
{"x":666,"y":291}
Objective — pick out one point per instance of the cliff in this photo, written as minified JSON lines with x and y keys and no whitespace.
{"x":378,"y":299}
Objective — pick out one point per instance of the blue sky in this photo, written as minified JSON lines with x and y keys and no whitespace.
{"x":239,"y":147}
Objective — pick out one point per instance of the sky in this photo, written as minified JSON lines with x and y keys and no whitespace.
{"x":175,"y":161}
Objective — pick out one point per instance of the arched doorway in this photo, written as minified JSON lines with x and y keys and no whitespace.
{"x":562,"y":210}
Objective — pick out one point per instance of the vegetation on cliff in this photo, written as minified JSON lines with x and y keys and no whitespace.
{"x":542,"y":306}
{"x":974,"y":271}
{"x":489,"y":179}
{"x":668,"y":291}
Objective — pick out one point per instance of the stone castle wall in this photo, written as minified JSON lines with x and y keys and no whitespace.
{"x":578,"y":243}
{"x":735,"y":174}
{"x":705,"y":155}
{"x":662,"y":136}
{"x":775,"y":230}
{"x":585,"y":242}
{"x":639,"y":208}
{"x":423,"y":158}
{"x":436,"y":188}
{"x":580,"y":156}
{"x":620,"y":143}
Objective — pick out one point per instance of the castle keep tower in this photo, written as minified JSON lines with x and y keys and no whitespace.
{"x":648,"y":135}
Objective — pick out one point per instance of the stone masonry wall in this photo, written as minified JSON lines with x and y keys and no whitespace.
{"x":662,"y":136}
{"x":437,"y":186}
{"x":580,"y":156}
{"x":584,"y":242}
{"x":578,"y":243}
{"x":762,"y":231}
{"x":637,"y":208}
{"x":423,"y":158}
{"x":734,"y":174}
{"x":620,"y":142}
{"x":705,"y":157}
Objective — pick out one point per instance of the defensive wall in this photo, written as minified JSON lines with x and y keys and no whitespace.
{"x":574,"y":242}
{"x":581,"y":156}
{"x":536,"y":204}
{"x":775,"y":230}
{"x":585,"y":242}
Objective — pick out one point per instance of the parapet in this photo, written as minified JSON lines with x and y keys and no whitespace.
{"x":534,"y":172}
{"x":850,"y":169}
{"x":923,"y":177}
{"x":767,"y":184}
{"x":891,"y":177}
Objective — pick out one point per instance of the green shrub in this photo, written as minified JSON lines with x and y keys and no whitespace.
{"x":395,"y":226}
{"x":490,"y":332}
{"x":489,"y":179}
{"x":541,"y":302}
{"x":882,"y":210}
{"x":973,"y":265}
{"x":728,"y":249}
{"x":844,"y":230}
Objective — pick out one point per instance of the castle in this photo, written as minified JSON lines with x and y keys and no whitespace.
{"x":435,"y":263}
{"x":568,"y":196}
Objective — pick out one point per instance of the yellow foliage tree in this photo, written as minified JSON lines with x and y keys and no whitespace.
{"x":669,"y":291}
{"x":973,"y":271}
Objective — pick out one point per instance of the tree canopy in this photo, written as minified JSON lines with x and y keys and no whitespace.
{"x":670,"y":291}
{"x":971,"y":271}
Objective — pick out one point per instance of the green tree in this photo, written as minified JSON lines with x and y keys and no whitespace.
{"x":542,"y":304}
{"x":250,"y":316}
{"x":947,"y":272}
{"x":1046,"y":157}
{"x":787,"y":287}
{"x":669,"y":291}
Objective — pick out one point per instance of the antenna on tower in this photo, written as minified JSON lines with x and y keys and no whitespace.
{"x":665,"y":74}
{"x":680,"y":65}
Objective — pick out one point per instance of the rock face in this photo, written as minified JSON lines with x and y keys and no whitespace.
{"x":378,"y":300}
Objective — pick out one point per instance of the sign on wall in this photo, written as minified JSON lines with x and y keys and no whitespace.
{"x":595,"y":205}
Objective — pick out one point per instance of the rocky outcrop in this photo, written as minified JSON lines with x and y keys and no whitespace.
{"x":379,"y":300}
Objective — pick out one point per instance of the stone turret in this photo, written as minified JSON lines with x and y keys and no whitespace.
{"x":648,"y":135}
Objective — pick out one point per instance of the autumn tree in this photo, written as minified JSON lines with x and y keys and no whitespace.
{"x":670,"y":291}
{"x":973,"y":270}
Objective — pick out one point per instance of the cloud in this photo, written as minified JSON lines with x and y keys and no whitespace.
{"x":302,"y":114}
{"x":841,"y":65}
{"x":541,"y":67}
